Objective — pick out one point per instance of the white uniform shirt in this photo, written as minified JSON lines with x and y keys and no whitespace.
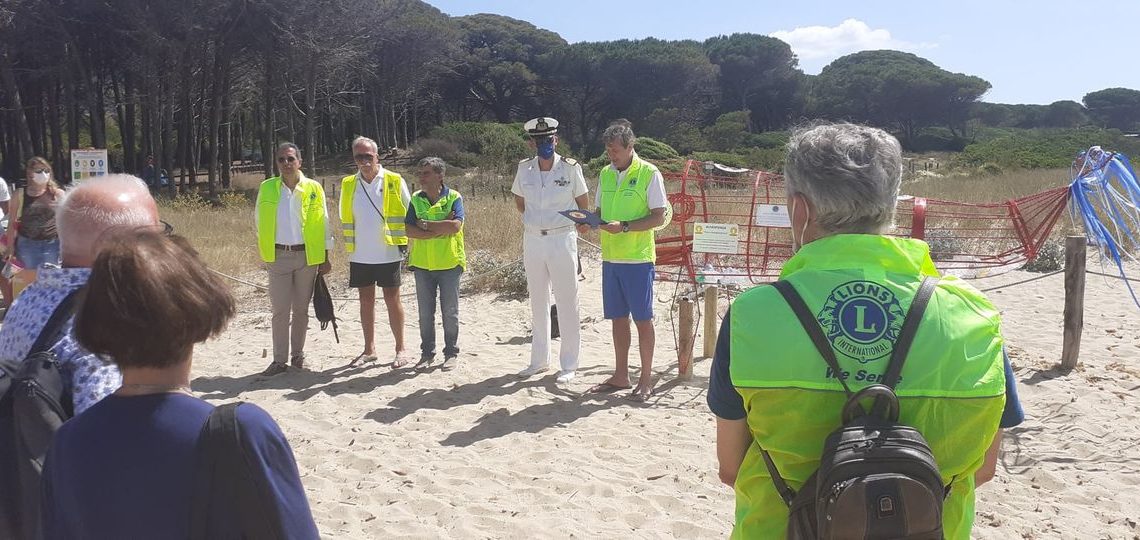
{"x":548,"y":192}
{"x":371,"y":248}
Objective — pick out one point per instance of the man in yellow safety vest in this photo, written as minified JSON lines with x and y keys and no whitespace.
{"x":293,"y":239}
{"x":632,"y":203}
{"x":373,"y":203}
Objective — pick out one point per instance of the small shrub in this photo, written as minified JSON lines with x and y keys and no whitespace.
{"x":943,"y":244}
{"x":233,"y":199}
{"x":1050,"y":258}
{"x":447,"y":150}
{"x":189,"y":203}
{"x":990,"y":169}
{"x":491,"y":272}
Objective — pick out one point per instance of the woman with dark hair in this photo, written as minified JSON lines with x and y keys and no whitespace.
{"x":125,"y":468}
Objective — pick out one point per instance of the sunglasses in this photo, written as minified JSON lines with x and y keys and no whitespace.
{"x":284,"y":159}
{"x":41,"y":171}
{"x":167,"y":229}
{"x":367,"y":158}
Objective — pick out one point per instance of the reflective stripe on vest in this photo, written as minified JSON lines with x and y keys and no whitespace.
{"x":314,"y":218}
{"x":392,"y":207}
{"x":627,"y":202}
{"x":859,"y":287}
{"x":441,"y":253}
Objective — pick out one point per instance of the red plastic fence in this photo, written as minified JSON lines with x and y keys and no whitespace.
{"x":966,"y":239}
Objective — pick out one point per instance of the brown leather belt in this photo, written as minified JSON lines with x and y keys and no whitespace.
{"x":295,"y":247}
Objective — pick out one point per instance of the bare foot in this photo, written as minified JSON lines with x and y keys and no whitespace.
{"x":613,"y":384}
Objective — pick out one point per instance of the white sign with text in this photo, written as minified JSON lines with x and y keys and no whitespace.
{"x":771,"y":215}
{"x":716,"y":238}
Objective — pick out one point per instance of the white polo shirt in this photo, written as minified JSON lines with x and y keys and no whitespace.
{"x":548,"y":192}
{"x":370,"y":245}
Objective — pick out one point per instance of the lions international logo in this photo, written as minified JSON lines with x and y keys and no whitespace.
{"x":862,"y":320}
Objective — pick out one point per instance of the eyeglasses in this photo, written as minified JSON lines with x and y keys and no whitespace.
{"x":283,"y":159}
{"x":367,"y":158}
{"x":167,"y":229}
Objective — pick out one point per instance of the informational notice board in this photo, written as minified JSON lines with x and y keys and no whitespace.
{"x":771,"y":215}
{"x":88,"y":164}
{"x":716,"y":238}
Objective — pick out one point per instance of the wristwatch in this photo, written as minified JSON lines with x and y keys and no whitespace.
{"x":625,"y":226}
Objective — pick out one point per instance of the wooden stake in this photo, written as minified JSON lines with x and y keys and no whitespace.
{"x":711,"y":329}
{"x":688,"y":335}
{"x":1075,"y":248}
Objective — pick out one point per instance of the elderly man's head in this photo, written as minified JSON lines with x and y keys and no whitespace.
{"x":98,"y":206}
{"x":842,"y":178}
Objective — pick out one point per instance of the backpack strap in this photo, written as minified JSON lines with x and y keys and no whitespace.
{"x":811,"y":326}
{"x":906,"y":338}
{"x":54,"y":326}
{"x":226,"y":482}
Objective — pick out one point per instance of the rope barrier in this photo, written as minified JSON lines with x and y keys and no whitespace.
{"x":1042,"y":276}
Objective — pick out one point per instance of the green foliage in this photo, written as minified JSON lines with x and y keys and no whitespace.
{"x":766,"y":159}
{"x":233,"y":199}
{"x":897,"y":90}
{"x":990,"y":169}
{"x":768,"y":139}
{"x":188,"y":203}
{"x":937,"y":139}
{"x":652,"y":150}
{"x":1115,"y":107}
{"x":479,"y":144}
{"x":728,"y":132}
{"x":1042,"y":148}
{"x":678,"y":127}
{"x":758,"y":74}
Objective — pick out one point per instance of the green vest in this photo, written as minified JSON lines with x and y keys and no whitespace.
{"x":314,"y":218}
{"x":441,"y":253}
{"x":391,"y":205}
{"x":627,"y":202}
{"x":860,"y":287}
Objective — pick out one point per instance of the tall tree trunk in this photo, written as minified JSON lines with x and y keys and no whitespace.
{"x":72,"y":105}
{"x":128,"y":131}
{"x":227,"y":128}
{"x":59,"y":162}
{"x":185,"y":125}
{"x":8,"y":80}
{"x":269,"y":131}
{"x":311,"y":113}
{"x":167,"y":126}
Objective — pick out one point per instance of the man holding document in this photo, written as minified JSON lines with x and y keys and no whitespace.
{"x":546,"y":186}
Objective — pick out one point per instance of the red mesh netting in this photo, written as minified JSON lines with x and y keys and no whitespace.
{"x":966,"y":239}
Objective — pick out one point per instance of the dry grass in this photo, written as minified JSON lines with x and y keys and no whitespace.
{"x":986,"y":188}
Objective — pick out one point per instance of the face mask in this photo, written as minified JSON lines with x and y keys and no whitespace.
{"x":797,"y":244}
{"x":546,"y":150}
{"x":41,"y":177}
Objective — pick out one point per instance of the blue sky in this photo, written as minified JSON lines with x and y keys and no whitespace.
{"x":1036,"y":51}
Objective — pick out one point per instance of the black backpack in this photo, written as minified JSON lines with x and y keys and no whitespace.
{"x":231,"y":497}
{"x":877,"y":478}
{"x":33,"y":404}
{"x":323,"y":305}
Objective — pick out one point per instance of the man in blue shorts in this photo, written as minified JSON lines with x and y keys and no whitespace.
{"x":631,"y":200}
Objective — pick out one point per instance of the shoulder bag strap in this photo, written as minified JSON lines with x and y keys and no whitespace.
{"x":54,"y":326}
{"x":226,"y":478}
{"x":361,"y":186}
{"x":807,"y":320}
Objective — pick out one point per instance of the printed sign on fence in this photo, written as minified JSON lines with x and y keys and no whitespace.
{"x":716,"y":238}
{"x":771,"y":215}
{"x":88,"y":164}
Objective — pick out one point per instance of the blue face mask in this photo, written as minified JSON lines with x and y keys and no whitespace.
{"x":546,"y":150}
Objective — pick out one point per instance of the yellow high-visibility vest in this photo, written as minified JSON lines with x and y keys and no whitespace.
{"x":314,"y":218}
{"x":392,"y":207}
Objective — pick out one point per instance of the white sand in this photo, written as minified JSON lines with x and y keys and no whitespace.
{"x":476,"y":453}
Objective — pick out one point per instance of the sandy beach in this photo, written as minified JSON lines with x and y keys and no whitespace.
{"x":477,"y":453}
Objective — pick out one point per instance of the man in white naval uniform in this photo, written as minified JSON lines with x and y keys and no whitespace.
{"x":545,"y":185}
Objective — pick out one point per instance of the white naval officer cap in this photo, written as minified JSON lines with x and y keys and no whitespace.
{"x":541,"y":126}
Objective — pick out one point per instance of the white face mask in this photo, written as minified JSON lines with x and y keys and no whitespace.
{"x":797,"y":244}
{"x":41,"y":178}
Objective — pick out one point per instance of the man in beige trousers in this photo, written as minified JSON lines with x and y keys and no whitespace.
{"x":293,"y":239}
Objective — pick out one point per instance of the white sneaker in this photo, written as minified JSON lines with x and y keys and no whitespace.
{"x":564,"y":377}
{"x":532,"y":371}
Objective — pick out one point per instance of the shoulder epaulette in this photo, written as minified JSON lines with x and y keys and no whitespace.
{"x":570,"y":160}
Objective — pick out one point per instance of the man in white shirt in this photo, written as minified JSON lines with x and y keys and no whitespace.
{"x":373,"y":204}
{"x":293,"y":239}
{"x":545,"y":185}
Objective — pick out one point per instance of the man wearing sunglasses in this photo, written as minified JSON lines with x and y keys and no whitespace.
{"x":373,"y":204}
{"x":293,"y":239}
{"x":545,"y":185}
